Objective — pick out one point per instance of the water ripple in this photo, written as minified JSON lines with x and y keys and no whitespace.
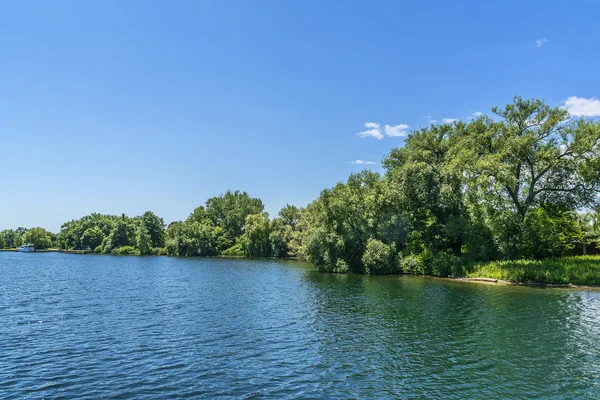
{"x":154,"y":327}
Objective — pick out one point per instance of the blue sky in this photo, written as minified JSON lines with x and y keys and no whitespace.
{"x":126,"y":106}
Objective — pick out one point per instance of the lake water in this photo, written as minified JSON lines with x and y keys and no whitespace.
{"x":74,"y":326}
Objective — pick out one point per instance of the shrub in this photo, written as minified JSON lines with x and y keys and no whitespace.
{"x":98,"y":249}
{"x":581,"y":270}
{"x":171,"y":246}
{"x":341,"y":267}
{"x":444,"y":264}
{"x":125,"y":250}
{"x":378,"y":258}
{"x":235,"y":251}
{"x":160,"y":251}
{"x":427,"y":260}
{"x":412,"y":264}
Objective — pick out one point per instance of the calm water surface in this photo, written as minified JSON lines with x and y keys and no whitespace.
{"x":156,"y":327}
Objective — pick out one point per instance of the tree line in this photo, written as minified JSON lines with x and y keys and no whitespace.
{"x":41,"y":238}
{"x":522,"y":183}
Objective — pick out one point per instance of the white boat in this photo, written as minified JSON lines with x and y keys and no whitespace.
{"x":26,"y":248}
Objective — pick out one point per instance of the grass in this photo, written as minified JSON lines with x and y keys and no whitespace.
{"x":579,"y":270}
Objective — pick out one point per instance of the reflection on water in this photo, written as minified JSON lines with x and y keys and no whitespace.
{"x":157,"y":327}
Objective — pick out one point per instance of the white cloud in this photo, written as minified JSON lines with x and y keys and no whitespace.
{"x":373,"y":130}
{"x":475,"y":115}
{"x":448,"y":120}
{"x":540,"y":42}
{"x":582,"y":107}
{"x":396,"y":130}
{"x":433,"y":121}
{"x":362,"y":162}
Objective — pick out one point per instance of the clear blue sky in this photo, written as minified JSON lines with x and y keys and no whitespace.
{"x":127,"y":106}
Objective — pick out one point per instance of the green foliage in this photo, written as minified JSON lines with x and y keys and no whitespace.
{"x":71,"y":232}
{"x":256,"y":238}
{"x":230,"y":210}
{"x":39,"y":237}
{"x":11,"y":238}
{"x":444,"y":264}
{"x":171,"y":245}
{"x":581,"y":270}
{"x":197,"y":239}
{"x":379,"y":258}
{"x":111,"y":232}
{"x":92,"y":237}
{"x":122,"y":234}
{"x":342,"y":220}
{"x":160,"y":251}
{"x":502,"y":188}
{"x":323,"y":248}
{"x":412,"y":264}
{"x":424,"y":188}
{"x":534,"y":156}
{"x":235,"y":251}
{"x":488,"y":189}
{"x":340,"y":267}
{"x":144,"y":240}
{"x":550,"y":232}
{"x":155,"y":227}
{"x":126,"y":250}
{"x":280,"y":237}
{"x":199,"y":215}
{"x":290,"y":215}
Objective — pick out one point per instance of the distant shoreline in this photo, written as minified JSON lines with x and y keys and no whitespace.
{"x":37,"y":251}
{"x":479,"y":274}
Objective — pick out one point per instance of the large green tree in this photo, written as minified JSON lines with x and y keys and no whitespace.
{"x":10,"y":238}
{"x":230,"y":210}
{"x":39,"y":237}
{"x":504,"y":187}
{"x":530,"y":156}
{"x":144,"y":240}
{"x":533,"y":154}
{"x":290,"y":215}
{"x":92,"y":237}
{"x":155,"y":227}
{"x":422,"y":190}
{"x":256,"y":237}
{"x":197,"y":239}
{"x":342,"y":220}
{"x":123,"y":233}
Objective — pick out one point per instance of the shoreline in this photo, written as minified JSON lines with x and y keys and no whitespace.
{"x":501,"y":282}
{"x":466,"y":279}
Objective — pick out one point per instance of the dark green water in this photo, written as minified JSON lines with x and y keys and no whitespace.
{"x":129,"y":327}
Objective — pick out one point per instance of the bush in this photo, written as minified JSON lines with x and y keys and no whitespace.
{"x":98,"y":249}
{"x":340,"y":267}
{"x":444,"y":264}
{"x":378,"y":258}
{"x":412,"y":264}
{"x":581,"y":270}
{"x":171,"y":246}
{"x":235,"y":251}
{"x":160,"y":251}
{"x":125,"y":250}
{"x":427,"y":260}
